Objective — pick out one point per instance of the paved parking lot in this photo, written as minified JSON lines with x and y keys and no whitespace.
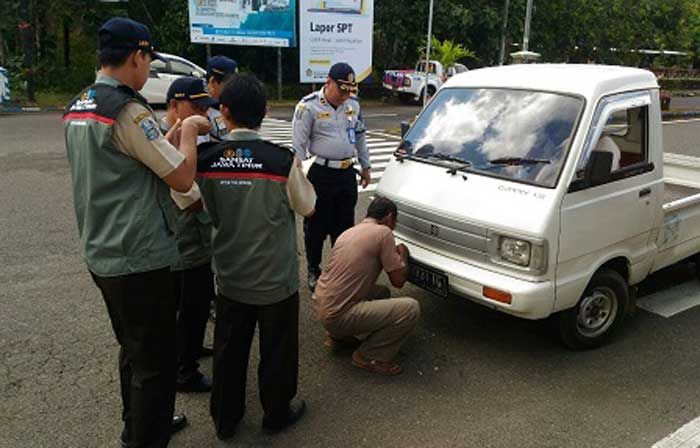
{"x":473,"y":378}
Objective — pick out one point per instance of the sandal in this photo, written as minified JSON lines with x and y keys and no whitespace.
{"x":375,"y":366}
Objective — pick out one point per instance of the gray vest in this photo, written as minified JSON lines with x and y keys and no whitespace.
{"x":119,"y":202}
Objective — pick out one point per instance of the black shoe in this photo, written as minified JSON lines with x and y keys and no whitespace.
{"x":275,"y":424}
{"x":206,"y":352}
{"x":312,"y":280}
{"x":179,"y":422}
{"x":197,"y":384}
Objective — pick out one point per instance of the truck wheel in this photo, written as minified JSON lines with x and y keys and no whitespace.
{"x":598,"y":314}
{"x":431,"y":92}
{"x":406,"y":98}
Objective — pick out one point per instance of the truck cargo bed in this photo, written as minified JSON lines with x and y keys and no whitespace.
{"x":674,"y":192}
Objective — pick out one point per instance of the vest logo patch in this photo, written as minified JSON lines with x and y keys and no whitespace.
{"x":241,"y":158}
{"x":86,"y":101}
{"x":150,"y":129}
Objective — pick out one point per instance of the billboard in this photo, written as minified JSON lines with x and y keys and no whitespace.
{"x":268,"y":23}
{"x":333,"y":31}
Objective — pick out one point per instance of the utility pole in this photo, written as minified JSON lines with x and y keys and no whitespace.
{"x":504,"y":31}
{"x":279,"y":73}
{"x":427,"y":53}
{"x":526,"y":33}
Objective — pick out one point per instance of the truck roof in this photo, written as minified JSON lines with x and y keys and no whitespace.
{"x":590,"y":81}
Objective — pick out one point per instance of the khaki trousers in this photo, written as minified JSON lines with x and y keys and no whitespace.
{"x":384,"y":322}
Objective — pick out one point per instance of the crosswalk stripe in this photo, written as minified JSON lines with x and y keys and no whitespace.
{"x":381,"y":146}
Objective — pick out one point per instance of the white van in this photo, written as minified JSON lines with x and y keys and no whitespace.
{"x":542,"y":189}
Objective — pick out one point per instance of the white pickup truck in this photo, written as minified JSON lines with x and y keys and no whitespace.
{"x":543,"y":190}
{"x":409,"y":84}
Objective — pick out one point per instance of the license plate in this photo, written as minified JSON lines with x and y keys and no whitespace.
{"x":428,"y":278}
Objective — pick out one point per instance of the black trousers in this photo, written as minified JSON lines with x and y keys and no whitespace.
{"x":142,"y":310}
{"x":279,"y":359}
{"x":336,"y":192}
{"x":195,"y":291}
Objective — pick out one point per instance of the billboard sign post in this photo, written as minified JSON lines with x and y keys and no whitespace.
{"x":267,"y":23}
{"x":333,"y":31}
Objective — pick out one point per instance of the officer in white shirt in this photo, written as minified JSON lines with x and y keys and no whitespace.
{"x":328,"y":124}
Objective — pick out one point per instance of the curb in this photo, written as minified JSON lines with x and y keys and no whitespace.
{"x":680,"y":115}
{"x":13,"y":110}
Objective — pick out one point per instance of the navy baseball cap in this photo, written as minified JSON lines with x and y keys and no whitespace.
{"x":120,"y":33}
{"x":344,"y":76}
{"x":191,"y":89}
{"x":220,"y":65}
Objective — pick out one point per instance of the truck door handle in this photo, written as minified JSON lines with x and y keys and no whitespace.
{"x":645,"y":192}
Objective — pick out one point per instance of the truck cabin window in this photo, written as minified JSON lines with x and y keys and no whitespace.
{"x":517,"y":135}
{"x":624,"y":135}
{"x":431,"y":67}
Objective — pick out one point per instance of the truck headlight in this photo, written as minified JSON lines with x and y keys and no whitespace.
{"x":515,"y":251}
{"x":528,"y":255}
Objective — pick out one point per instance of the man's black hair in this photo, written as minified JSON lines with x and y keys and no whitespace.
{"x":245,"y":98}
{"x":381,"y":207}
{"x":114,"y":57}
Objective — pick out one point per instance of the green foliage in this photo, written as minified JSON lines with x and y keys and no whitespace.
{"x":601,"y":31}
{"x":447,"y":52}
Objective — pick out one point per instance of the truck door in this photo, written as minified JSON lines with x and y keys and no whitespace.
{"x":615,"y":218}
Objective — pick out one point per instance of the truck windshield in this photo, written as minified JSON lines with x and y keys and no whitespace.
{"x":514,"y":134}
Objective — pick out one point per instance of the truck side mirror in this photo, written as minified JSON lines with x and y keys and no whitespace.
{"x":598,"y":168}
{"x":404,"y":128}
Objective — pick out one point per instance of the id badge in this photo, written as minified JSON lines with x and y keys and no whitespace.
{"x":351,"y":135}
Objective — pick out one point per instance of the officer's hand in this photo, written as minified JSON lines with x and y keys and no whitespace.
{"x":365,"y":177}
{"x":199,"y":122}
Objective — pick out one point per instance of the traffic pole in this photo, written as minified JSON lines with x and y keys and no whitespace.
{"x":427,"y":53}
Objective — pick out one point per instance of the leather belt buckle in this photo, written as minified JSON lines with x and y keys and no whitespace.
{"x":345,"y":164}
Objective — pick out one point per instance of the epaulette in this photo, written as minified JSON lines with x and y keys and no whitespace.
{"x":309,"y":97}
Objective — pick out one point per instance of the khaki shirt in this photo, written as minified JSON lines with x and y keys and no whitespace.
{"x":137,"y":135}
{"x":358,"y":257}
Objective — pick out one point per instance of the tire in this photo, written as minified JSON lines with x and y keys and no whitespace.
{"x":598,"y":314}
{"x":431,"y":92}
{"x":406,"y":98}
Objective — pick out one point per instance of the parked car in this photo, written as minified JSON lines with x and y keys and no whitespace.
{"x":163,"y":73}
{"x":544,"y":190}
{"x":409,"y":84}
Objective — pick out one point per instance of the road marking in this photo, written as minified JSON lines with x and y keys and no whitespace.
{"x":687,"y":436}
{"x":672,"y":301}
{"x":381,"y":146}
{"x":379,"y":115}
{"x":689,"y":120}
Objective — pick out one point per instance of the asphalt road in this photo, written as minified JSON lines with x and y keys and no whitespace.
{"x":473,"y":378}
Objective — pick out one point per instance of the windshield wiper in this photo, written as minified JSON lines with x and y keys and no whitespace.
{"x":518,"y":161}
{"x":449,"y":158}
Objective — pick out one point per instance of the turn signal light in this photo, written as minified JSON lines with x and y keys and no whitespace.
{"x":497,"y":295}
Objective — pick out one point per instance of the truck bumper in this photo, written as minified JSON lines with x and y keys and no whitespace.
{"x":530,"y":300}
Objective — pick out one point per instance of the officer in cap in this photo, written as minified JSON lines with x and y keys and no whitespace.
{"x":219,"y":69}
{"x":194,"y":281}
{"x":122,"y":167}
{"x":328,"y":124}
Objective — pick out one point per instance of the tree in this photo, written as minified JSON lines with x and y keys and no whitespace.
{"x":447,"y":52}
